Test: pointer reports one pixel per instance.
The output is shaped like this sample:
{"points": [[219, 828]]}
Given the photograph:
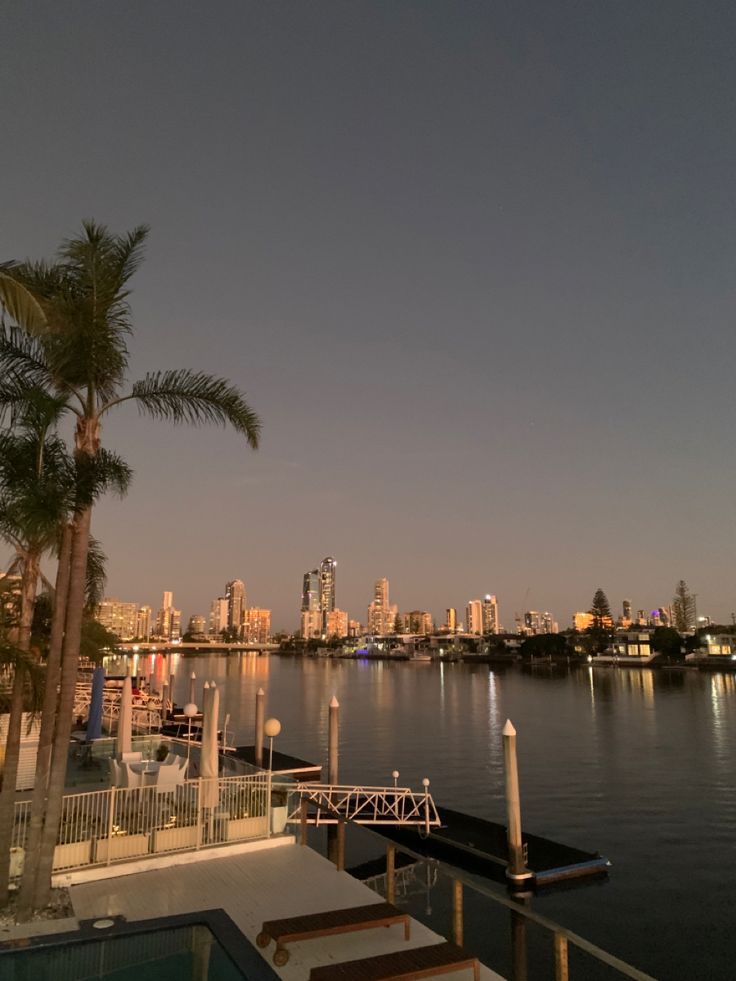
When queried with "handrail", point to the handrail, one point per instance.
{"points": [[610, 960]]}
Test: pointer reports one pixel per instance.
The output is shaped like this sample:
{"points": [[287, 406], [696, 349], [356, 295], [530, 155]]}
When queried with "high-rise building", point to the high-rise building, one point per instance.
{"points": [[417, 622], [197, 625], [327, 575], [535, 622], [490, 615], [582, 621], [310, 624], [235, 596], [354, 628], [168, 619], [118, 617], [143, 623], [218, 617], [310, 591], [381, 614], [257, 625], [451, 619], [626, 610], [474, 617], [337, 623]]}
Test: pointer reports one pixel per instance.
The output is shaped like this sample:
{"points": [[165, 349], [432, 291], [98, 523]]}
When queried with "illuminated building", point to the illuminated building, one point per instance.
{"points": [[337, 623], [197, 625], [218, 617], [582, 621], [489, 615], [451, 619], [474, 617], [257, 625], [327, 572], [381, 615], [143, 623], [118, 617], [168, 619], [311, 624], [235, 596], [354, 628], [538, 623], [310, 591], [417, 622]]}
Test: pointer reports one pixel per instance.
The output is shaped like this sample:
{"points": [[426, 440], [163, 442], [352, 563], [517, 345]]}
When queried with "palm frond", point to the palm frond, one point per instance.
{"points": [[22, 359], [99, 474], [96, 575], [194, 398], [20, 302]]}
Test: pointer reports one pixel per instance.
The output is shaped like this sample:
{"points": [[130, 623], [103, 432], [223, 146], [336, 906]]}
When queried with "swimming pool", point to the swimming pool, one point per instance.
{"points": [[205, 946]]}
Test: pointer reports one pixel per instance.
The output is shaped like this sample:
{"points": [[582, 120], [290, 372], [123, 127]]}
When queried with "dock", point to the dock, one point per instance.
{"points": [[480, 846]]}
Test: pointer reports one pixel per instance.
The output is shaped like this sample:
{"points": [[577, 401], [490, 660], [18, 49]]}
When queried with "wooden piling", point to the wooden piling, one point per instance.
{"points": [[391, 874], [260, 721], [516, 871], [561, 964], [192, 692], [457, 912], [333, 741], [340, 844], [303, 805], [518, 947]]}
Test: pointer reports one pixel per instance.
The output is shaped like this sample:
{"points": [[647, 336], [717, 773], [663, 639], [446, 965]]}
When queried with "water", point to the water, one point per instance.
{"points": [[636, 764]]}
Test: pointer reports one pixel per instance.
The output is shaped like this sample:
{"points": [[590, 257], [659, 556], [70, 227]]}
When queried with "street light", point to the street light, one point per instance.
{"points": [[190, 710], [395, 775], [271, 728]]}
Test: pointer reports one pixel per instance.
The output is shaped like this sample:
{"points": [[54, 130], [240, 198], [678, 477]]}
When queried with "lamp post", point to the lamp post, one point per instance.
{"points": [[190, 710], [395, 775], [271, 728]]}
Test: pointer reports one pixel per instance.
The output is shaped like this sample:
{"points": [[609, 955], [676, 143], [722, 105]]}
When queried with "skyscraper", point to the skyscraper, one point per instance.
{"points": [[118, 617], [218, 617], [451, 619], [168, 619], [327, 589], [474, 617], [257, 627], [490, 615], [381, 615], [235, 596], [310, 591], [143, 623]]}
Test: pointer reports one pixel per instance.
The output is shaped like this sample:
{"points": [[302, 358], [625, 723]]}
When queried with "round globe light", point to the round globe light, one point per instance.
{"points": [[271, 728], [190, 710]]}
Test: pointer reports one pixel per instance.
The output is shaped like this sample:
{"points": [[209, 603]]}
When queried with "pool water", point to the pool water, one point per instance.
{"points": [[187, 953]]}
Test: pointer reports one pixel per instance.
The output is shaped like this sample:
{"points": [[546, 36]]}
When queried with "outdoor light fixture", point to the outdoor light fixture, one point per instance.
{"points": [[190, 710]]}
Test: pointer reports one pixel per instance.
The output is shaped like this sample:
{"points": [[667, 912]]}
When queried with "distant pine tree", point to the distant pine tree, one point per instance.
{"points": [[601, 611], [683, 607]]}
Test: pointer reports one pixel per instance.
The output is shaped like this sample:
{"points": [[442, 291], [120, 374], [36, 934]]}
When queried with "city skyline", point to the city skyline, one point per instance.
{"points": [[473, 272], [491, 608]]}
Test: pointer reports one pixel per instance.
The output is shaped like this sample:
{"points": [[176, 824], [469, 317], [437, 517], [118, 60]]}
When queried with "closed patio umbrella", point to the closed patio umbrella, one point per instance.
{"points": [[94, 719], [124, 736], [208, 762]]}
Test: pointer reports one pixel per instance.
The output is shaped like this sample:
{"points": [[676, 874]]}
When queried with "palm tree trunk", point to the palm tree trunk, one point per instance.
{"points": [[46, 736], [69, 665], [29, 583]]}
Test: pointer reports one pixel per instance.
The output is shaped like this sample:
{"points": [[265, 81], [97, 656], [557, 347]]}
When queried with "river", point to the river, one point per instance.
{"points": [[637, 764]]}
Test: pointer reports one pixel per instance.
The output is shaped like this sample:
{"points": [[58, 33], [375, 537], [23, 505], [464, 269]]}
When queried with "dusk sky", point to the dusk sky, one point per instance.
{"points": [[472, 263]]}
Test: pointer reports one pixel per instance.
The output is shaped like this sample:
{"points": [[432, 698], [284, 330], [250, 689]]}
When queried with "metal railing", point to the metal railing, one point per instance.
{"points": [[369, 805], [556, 940], [125, 823]]}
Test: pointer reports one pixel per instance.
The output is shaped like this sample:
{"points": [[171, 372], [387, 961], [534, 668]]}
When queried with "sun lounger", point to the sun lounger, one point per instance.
{"points": [[325, 924], [404, 965]]}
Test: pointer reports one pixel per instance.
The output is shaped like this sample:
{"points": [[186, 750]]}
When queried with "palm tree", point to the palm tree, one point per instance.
{"points": [[77, 317], [36, 477]]}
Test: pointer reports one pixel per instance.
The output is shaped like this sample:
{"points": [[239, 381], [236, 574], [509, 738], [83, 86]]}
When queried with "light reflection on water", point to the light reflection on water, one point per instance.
{"points": [[637, 764]]}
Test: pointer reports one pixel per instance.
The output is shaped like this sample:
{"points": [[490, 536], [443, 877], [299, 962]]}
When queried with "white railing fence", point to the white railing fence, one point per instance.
{"points": [[120, 824]]}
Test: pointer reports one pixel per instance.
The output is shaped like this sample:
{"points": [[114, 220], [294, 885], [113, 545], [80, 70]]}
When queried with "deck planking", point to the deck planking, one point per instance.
{"points": [[272, 884]]}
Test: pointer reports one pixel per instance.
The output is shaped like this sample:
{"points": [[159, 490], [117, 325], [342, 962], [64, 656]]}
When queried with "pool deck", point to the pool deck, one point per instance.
{"points": [[252, 887]]}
